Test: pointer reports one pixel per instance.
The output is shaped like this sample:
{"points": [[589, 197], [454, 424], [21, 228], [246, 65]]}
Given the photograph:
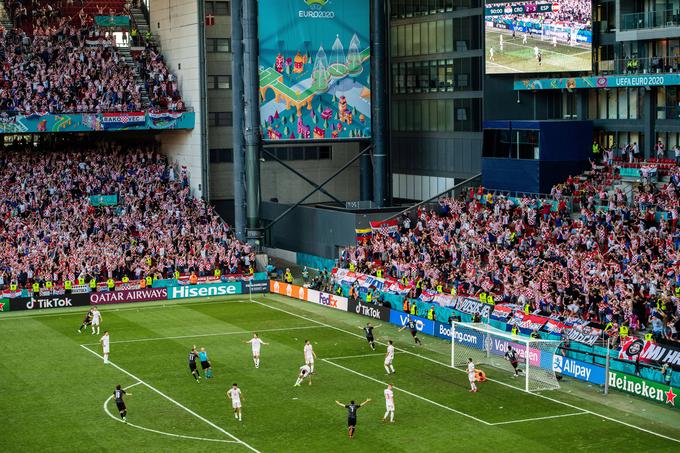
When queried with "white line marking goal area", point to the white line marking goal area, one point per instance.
{"points": [[176, 403], [143, 428]]}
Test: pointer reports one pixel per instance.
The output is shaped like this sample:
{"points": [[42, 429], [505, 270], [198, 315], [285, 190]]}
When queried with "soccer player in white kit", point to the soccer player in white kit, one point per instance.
{"points": [[234, 394], [389, 403], [490, 53], [256, 342], [305, 371], [389, 356], [536, 52], [104, 340], [554, 41], [96, 320], [310, 355], [471, 375], [524, 38]]}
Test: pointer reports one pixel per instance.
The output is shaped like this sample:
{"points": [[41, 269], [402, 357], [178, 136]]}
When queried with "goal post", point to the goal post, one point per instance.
{"points": [[486, 345]]}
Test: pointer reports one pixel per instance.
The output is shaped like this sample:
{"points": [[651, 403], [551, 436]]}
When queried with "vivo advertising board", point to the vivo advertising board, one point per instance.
{"points": [[422, 325]]}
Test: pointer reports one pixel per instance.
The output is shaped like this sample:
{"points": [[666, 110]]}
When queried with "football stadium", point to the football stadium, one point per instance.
{"points": [[324, 225]]}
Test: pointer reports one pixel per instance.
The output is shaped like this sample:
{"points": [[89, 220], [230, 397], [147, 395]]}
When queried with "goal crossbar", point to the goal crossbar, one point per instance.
{"points": [[488, 346]]}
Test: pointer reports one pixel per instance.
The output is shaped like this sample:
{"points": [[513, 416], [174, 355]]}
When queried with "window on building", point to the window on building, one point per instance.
{"points": [[217, 8], [218, 155], [220, 119], [219, 82], [218, 45]]}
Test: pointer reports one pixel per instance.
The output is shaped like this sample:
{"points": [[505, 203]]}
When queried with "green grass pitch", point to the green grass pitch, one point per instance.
{"points": [[54, 388], [519, 58]]}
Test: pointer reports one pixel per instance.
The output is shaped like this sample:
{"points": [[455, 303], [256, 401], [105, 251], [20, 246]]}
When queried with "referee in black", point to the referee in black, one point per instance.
{"points": [[352, 414]]}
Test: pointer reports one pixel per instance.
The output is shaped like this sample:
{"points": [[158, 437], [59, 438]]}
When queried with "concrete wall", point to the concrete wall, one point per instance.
{"points": [[175, 24], [279, 182]]}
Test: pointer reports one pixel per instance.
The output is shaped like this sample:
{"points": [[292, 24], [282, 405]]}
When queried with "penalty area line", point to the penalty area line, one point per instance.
{"points": [[143, 428], [175, 402], [240, 332], [540, 418], [410, 393]]}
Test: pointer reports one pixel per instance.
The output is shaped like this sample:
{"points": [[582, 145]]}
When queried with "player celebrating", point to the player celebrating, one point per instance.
{"points": [[234, 394], [206, 365], [96, 320], [310, 355], [389, 357], [368, 330], [471, 375], [389, 403], [120, 404], [305, 371], [104, 340], [411, 324], [513, 358], [256, 342], [86, 322], [192, 364], [352, 414]]}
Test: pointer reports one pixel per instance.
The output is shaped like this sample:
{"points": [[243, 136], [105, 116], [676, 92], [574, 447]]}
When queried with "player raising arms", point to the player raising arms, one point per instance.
{"points": [[352, 414], [206, 365], [86, 322], [256, 342], [471, 375], [120, 404], [411, 324], [236, 397], [368, 331], [389, 357], [192, 364], [389, 403], [96, 320], [305, 372], [310, 355], [104, 340], [513, 358]]}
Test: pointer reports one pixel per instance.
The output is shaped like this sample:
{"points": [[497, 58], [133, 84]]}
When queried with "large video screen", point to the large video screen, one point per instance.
{"points": [[315, 69], [531, 37]]}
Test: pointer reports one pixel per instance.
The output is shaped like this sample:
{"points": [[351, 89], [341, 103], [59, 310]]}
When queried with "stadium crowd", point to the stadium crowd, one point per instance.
{"points": [[614, 261], [50, 230], [65, 66]]}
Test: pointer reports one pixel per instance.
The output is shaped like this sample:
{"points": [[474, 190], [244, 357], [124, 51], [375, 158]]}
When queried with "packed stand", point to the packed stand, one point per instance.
{"points": [[160, 83], [50, 231], [614, 262]]}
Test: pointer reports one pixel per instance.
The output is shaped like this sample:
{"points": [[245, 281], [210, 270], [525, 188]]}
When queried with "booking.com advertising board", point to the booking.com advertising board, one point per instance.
{"points": [[314, 69]]}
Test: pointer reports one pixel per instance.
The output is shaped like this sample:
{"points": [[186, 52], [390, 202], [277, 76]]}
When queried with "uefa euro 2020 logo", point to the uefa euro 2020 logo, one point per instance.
{"points": [[315, 4]]}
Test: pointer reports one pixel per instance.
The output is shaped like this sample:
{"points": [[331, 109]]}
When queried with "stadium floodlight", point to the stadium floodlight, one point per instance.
{"points": [[488, 346]]}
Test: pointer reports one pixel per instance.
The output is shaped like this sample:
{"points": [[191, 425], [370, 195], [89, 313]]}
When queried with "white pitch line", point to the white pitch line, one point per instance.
{"points": [[106, 409], [464, 414], [353, 356], [176, 403], [629, 425], [242, 332], [540, 418]]}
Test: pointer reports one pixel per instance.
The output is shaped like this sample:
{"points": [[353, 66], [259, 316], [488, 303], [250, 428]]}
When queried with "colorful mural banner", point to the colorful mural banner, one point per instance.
{"points": [[614, 81], [88, 122], [315, 69]]}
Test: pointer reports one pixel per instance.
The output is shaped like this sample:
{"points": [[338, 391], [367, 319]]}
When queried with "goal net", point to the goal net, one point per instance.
{"points": [[488, 346]]}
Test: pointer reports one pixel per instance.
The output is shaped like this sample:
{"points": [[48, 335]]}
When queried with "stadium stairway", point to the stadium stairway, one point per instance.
{"points": [[124, 52], [5, 21]]}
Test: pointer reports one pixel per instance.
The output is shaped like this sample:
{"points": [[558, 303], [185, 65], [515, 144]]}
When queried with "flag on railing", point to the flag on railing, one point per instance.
{"points": [[386, 228]]}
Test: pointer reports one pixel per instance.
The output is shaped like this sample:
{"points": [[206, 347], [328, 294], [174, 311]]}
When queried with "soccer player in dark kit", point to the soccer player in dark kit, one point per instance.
{"points": [[414, 330], [352, 414], [513, 358], [120, 404], [368, 331], [193, 355]]}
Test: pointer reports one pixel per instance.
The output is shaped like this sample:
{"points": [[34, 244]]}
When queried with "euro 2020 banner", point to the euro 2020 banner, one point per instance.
{"points": [[314, 69]]}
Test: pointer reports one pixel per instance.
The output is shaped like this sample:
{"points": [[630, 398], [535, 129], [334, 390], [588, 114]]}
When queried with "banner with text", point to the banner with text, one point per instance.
{"points": [[204, 290]]}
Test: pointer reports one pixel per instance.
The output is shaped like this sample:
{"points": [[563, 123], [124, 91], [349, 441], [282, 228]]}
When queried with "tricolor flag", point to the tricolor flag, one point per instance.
{"points": [[386, 228], [363, 234]]}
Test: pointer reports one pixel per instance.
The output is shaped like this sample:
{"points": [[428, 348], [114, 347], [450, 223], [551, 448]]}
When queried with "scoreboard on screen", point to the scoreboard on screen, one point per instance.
{"points": [[513, 8]]}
